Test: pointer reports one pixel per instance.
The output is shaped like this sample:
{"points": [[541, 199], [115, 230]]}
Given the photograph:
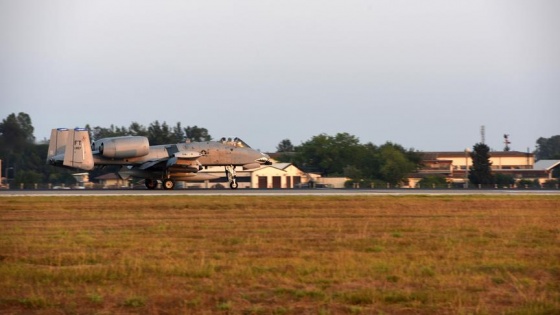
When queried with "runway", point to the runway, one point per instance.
{"points": [[275, 192]]}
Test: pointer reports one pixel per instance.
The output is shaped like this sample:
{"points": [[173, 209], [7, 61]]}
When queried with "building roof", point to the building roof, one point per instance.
{"points": [[281, 166], [546, 164], [438, 161], [448, 154]]}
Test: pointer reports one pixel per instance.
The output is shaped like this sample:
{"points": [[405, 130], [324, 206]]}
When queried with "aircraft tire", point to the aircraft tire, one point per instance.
{"points": [[150, 183], [233, 184], [168, 184]]}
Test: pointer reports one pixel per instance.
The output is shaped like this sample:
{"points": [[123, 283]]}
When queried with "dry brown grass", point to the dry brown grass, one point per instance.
{"points": [[280, 255]]}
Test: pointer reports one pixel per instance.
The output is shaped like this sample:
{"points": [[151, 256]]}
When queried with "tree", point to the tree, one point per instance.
{"points": [[159, 133], [344, 155], [480, 173], [285, 146], [395, 164], [136, 129], [354, 173], [97, 132], [17, 148], [178, 134], [197, 134], [433, 181], [16, 132], [23, 161], [504, 180], [28, 178], [369, 161], [548, 148], [326, 154]]}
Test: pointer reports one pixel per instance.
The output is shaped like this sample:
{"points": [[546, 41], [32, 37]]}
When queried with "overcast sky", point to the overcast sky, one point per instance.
{"points": [[423, 74]]}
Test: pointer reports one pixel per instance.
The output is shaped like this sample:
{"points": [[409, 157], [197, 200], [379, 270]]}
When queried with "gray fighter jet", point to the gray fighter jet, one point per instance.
{"points": [[167, 163]]}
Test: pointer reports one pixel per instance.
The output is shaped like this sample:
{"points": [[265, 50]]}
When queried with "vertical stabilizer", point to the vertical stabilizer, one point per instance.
{"points": [[57, 143], [78, 150]]}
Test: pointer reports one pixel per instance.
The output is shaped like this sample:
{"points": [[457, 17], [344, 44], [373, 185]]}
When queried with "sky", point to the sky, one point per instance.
{"points": [[423, 74]]}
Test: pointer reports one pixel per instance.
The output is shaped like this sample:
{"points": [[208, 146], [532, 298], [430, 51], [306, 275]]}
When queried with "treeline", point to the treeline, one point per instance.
{"points": [[548, 148], [24, 161], [344, 155], [156, 133]]}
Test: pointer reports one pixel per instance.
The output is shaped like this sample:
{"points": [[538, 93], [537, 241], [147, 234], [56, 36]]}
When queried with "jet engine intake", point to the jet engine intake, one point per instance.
{"points": [[122, 147]]}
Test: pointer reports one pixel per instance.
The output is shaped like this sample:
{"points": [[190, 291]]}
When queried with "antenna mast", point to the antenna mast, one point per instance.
{"points": [[506, 142]]}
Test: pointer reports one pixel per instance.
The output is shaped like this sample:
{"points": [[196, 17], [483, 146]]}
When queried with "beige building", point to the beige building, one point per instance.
{"points": [[454, 166]]}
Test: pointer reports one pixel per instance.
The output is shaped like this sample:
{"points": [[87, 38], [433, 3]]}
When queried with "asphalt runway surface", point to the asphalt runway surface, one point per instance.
{"points": [[275, 192]]}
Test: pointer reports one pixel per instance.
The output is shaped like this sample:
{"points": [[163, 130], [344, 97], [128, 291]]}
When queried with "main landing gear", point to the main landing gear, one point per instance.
{"points": [[169, 184], [150, 183], [232, 178], [166, 184]]}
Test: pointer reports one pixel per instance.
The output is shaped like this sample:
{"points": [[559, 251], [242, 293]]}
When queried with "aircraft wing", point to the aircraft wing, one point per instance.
{"points": [[183, 158], [150, 164]]}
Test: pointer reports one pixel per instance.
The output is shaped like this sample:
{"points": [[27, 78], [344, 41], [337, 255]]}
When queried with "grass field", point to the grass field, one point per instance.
{"points": [[280, 255]]}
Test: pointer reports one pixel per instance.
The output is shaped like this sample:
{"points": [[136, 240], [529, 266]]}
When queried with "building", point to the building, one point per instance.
{"points": [[454, 166], [548, 167], [82, 180]]}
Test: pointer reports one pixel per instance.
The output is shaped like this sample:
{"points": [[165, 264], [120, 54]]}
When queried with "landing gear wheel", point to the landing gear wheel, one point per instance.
{"points": [[150, 183], [233, 184], [168, 184]]}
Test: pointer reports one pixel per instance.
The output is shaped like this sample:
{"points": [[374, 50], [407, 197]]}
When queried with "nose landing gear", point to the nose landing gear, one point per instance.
{"points": [[168, 184], [232, 178]]}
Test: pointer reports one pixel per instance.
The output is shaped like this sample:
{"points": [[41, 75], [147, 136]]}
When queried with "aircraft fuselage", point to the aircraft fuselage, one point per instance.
{"points": [[211, 154]]}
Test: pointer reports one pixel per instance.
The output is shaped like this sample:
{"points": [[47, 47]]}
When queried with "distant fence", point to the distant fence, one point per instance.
{"points": [[42, 186]]}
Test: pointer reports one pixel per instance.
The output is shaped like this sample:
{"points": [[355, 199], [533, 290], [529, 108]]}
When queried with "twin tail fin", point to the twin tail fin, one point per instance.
{"points": [[70, 148]]}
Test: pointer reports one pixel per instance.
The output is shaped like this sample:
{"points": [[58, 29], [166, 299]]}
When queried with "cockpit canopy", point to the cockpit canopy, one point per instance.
{"points": [[236, 142]]}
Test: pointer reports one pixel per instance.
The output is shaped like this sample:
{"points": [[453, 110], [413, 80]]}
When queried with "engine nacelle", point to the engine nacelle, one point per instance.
{"points": [[122, 147]]}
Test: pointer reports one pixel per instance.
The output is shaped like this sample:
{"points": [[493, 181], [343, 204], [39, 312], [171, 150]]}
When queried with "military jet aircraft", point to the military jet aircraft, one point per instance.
{"points": [[167, 163]]}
